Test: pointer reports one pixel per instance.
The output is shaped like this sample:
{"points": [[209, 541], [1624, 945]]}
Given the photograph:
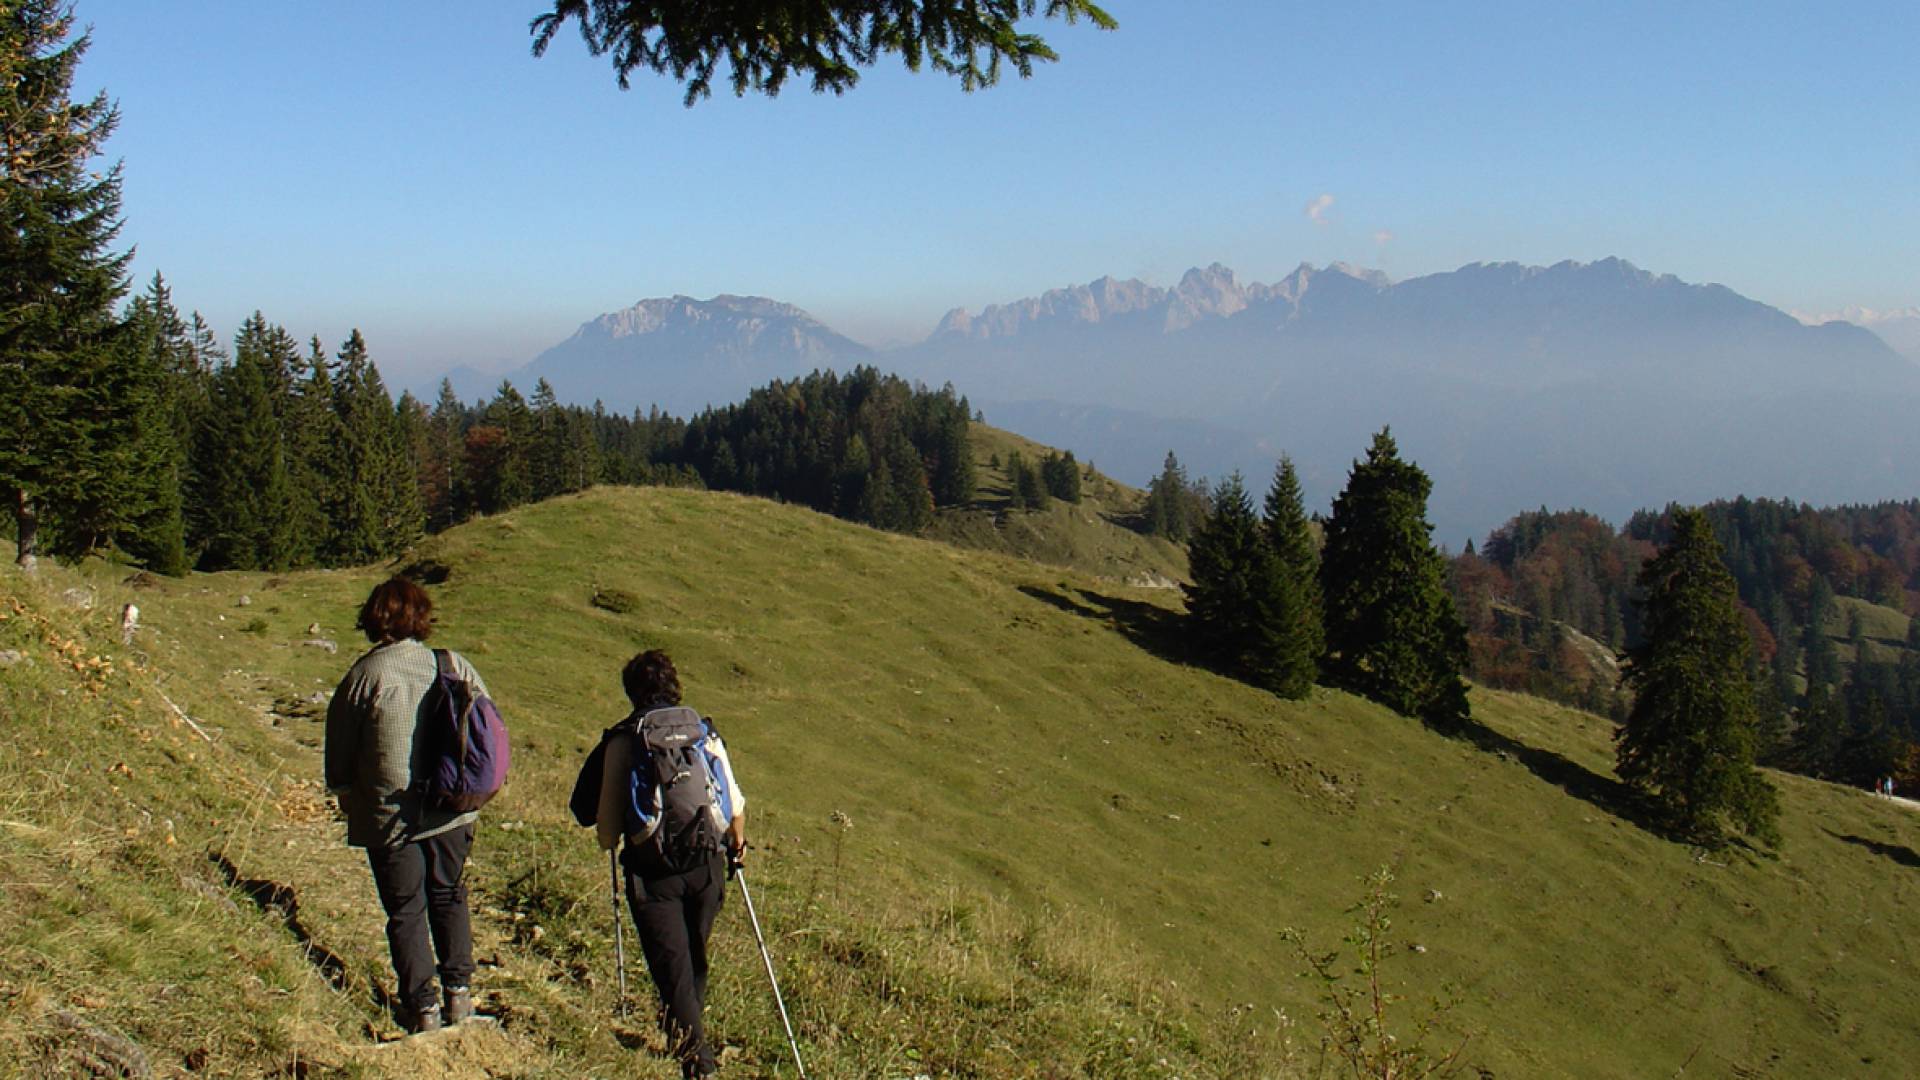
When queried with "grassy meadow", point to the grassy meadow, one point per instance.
{"points": [[1001, 829]]}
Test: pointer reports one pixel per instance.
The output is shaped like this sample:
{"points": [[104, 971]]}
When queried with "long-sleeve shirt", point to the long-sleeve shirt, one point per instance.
{"points": [[372, 747]]}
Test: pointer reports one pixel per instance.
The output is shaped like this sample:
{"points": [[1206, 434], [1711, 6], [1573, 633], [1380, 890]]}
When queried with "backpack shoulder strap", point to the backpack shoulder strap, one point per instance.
{"points": [[443, 662]]}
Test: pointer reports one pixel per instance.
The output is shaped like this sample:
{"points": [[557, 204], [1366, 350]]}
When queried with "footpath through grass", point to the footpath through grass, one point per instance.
{"points": [[1001, 829]]}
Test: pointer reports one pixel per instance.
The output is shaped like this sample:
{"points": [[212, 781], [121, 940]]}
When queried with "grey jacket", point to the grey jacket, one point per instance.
{"points": [[370, 751]]}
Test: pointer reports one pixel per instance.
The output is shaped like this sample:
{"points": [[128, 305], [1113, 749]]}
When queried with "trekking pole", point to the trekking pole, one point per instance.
{"points": [[739, 874], [619, 943]]}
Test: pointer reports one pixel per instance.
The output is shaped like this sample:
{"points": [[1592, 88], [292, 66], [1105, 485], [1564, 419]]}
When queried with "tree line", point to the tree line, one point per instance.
{"points": [[1366, 602], [1364, 607], [1833, 700], [273, 455], [138, 430]]}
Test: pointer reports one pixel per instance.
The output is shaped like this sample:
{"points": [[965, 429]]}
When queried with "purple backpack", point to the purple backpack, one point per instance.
{"points": [[463, 742]]}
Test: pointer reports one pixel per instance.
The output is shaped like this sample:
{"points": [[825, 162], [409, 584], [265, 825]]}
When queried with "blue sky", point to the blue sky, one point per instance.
{"points": [[411, 170]]}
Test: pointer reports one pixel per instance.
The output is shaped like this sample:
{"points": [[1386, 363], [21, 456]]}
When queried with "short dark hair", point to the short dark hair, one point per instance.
{"points": [[650, 679], [395, 610]]}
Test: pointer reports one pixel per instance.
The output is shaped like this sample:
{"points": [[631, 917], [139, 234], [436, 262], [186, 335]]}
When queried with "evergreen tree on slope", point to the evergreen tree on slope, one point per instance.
{"points": [[1298, 609], [158, 348], [1168, 509], [65, 424], [1234, 602], [1689, 739], [245, 514], [1392, 632]]}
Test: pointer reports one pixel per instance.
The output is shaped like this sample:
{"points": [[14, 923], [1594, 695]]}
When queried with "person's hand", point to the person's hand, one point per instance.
{"points": [[736, 842]]}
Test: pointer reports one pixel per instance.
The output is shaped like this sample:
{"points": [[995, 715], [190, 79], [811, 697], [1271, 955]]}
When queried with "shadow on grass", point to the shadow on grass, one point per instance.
{"points": [[1899, 853], [1162, 633], [1149, 626], [280, 901], [1601, 792]]}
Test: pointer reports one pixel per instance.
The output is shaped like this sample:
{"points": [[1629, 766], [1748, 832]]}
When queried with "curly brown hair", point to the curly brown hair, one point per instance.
{"points": [[396, 610], [650, 679]]}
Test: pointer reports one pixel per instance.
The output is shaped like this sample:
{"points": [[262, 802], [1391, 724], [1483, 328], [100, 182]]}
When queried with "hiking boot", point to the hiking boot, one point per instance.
{"points": [[459, 1004], [427, 1019]]}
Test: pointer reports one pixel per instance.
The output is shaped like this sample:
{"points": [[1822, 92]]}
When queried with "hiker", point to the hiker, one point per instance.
{"points": [[418, 852], [661, 780]]}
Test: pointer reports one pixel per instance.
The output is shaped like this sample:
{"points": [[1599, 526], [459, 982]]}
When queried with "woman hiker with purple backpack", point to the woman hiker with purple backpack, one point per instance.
{"points": [[417, 850]]}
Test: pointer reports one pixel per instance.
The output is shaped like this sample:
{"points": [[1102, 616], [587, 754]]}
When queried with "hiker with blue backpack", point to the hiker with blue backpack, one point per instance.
{"points": [[413, 748], [661, 782]]}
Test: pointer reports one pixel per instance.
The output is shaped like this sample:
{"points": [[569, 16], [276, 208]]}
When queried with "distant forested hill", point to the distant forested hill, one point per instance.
{"points": [[1829, 596]]}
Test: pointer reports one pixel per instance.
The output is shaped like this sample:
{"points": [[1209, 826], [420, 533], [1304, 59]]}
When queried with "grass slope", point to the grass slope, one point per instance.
{"points": [[1001, 831], [1098, 535]]}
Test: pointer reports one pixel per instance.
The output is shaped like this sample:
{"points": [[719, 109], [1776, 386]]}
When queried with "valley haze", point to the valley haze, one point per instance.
{"points": [[1598, 386]]}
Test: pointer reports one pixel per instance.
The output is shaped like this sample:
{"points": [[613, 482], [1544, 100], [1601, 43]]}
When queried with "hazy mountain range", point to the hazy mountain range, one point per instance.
{"points": [[1597, 385]]}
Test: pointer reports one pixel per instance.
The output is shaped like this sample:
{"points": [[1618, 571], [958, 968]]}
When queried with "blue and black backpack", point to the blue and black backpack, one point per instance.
{"points": [[677, 804]]}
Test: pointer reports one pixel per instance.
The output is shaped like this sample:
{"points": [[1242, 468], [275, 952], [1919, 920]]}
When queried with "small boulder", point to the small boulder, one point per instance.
{"points": [[78, 598], [10, 657], [321, 643], [244, 600]]}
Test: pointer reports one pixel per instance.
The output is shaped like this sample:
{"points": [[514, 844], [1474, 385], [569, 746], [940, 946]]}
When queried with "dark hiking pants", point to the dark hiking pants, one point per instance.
{"points": [[675, 913], [422, 889]]}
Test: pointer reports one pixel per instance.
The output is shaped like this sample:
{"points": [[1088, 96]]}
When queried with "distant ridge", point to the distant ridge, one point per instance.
{"points": [[684, 354], [1581, 384]]}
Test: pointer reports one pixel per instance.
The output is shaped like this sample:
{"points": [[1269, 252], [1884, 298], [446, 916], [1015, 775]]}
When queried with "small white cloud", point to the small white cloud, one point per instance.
{"points": [[1382, 237], [1317, 209]]}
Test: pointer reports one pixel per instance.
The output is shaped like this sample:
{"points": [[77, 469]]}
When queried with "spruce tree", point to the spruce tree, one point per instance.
{"points": [[380, 511], [953, 475], [1062, 475], [1168, 508], [315, 467], [243, 492], [160, 351], [1235, 602], [512, 483], [67, 412], [1025, 489], [585, 461], [1689, 741], [442, 472], [1298, 611], [1392, 632], [547, 457], [1029, 487], [912, 497], [205, 357]]}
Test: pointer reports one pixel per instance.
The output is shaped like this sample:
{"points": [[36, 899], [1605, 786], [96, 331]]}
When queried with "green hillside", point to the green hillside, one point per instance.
{"points": [[1098, 535], [1000, 831], [1883, 629]]}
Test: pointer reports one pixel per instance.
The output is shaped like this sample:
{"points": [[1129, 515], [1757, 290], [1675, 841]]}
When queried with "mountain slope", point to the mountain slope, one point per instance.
{"points": [[1597, 385], [1003, 829]]}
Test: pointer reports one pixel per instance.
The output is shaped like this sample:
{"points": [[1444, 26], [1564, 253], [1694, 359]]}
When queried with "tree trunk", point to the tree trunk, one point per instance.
{"points": [[27, 528]]}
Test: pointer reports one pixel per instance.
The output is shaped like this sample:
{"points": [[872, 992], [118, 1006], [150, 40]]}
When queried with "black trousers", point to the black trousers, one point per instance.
{"points": [[422, 889], [675, 914]]}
